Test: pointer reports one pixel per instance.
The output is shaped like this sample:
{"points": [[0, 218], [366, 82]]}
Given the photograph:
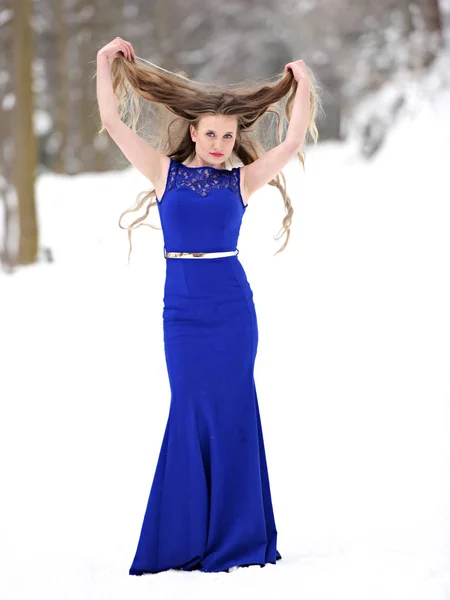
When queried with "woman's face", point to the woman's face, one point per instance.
{"points": [[215, 138]]}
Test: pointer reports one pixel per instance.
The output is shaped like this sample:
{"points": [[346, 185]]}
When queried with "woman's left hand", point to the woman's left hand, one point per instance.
{"points": [[298, 69]]}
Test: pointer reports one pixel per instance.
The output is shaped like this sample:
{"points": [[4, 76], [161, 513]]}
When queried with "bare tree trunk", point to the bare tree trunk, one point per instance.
{"points": [[431, 15], [25, 148]]}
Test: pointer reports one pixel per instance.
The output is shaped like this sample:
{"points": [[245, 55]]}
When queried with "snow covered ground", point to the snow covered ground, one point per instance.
{"points": [[352, 375]]}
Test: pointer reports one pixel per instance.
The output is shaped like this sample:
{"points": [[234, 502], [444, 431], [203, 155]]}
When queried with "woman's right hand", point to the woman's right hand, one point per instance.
{"points": [[116, 47]]}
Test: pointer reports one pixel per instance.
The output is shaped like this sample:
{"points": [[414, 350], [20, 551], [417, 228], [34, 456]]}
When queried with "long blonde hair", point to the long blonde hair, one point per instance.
{"points": [[262, 106]]}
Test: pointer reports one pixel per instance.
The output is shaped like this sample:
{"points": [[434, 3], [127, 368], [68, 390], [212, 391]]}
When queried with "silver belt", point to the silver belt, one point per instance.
{"points": [[199, 254]]}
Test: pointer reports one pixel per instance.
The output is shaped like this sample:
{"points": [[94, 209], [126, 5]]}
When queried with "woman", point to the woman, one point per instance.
{"points": [[210, 506]]}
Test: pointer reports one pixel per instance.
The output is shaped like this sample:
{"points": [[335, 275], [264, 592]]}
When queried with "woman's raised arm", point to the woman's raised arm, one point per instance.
{"points": [[150, 162], [106, 98]]}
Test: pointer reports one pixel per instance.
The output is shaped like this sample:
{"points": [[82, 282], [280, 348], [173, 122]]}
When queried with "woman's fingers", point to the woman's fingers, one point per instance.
{"points": [[123, 47], [126, 48], [131, 51]]}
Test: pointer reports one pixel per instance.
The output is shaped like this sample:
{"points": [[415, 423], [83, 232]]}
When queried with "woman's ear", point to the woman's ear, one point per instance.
{"points": [[192, 131]]}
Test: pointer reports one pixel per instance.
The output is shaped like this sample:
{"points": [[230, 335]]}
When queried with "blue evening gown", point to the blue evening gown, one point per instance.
{"points": [[210, 505]]}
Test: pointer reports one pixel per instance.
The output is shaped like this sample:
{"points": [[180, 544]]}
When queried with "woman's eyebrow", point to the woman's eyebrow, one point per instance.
{"points": [[215, 132]]}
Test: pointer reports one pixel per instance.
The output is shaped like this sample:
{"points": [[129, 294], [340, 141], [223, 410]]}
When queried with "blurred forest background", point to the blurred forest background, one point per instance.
{"points": [[49, 117]]}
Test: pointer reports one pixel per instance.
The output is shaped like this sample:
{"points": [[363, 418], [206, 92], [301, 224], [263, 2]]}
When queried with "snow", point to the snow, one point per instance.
{"points": [[352, 375]]}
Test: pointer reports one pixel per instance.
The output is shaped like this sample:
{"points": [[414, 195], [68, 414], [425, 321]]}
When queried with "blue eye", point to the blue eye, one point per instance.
{"points": [[228, 134]]}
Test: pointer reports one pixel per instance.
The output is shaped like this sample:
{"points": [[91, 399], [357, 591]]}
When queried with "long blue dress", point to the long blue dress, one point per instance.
{"points": [[210, 505]]}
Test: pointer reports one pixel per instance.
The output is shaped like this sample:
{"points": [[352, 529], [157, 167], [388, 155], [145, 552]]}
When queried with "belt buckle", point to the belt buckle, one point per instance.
{"points": [[181, 254]]}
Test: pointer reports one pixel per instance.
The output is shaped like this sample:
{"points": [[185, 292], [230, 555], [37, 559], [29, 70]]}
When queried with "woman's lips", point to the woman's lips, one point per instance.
{"points": [[216, 154]]}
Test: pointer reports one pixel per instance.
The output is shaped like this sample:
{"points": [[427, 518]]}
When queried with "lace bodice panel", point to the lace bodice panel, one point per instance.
{"points": [[203, 180]]}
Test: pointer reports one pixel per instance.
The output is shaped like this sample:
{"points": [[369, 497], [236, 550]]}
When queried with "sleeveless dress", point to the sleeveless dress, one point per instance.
{"points": [[210, 505]]}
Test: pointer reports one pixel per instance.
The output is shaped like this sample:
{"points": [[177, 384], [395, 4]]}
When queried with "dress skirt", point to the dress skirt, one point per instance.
{"points": [[210, 505]]}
